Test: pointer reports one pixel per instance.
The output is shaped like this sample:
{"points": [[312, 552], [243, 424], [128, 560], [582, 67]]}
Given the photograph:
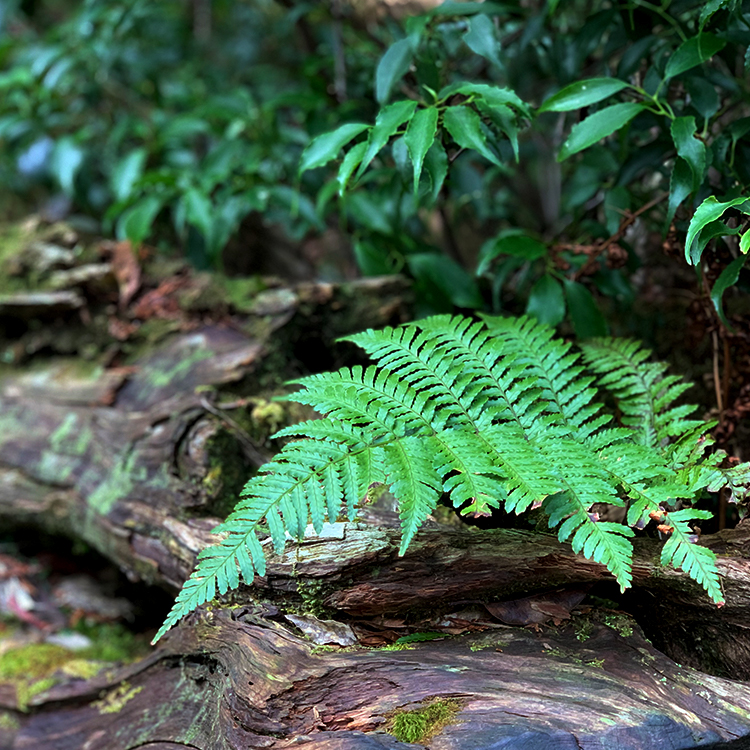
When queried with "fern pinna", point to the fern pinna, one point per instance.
{"points": [[493, 413]]}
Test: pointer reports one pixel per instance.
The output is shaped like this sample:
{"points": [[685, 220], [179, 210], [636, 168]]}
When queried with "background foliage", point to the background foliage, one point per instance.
{"points": [[531, 157]]}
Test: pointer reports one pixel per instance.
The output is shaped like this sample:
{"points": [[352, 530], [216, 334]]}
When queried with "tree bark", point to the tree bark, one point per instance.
{"points": [[125, 458]]}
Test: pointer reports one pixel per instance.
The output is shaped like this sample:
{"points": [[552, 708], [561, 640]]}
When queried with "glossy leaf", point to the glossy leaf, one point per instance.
{"points": [[745, 242], [491, 94], [710, 210], [582, 93], [728, 277], [392, 67], [419, 136], [349, 164], [481, 38], [465, 127], [588, 321], [597, 126], [680, 186], [327, 146], [387, 123], [692, 150], [546, 301], [693, 52], [127, 172]]}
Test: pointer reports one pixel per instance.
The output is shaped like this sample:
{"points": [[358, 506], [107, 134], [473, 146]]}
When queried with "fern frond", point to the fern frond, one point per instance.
{"points": [[681, 551], [643, 393], [488, 414], [568, 398]]}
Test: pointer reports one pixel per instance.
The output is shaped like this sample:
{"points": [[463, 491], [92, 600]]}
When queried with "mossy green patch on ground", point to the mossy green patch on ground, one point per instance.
{"points": [[30, 669], [111, 642], [8, 722], [32, 660], [423, 723], [114, 701]]}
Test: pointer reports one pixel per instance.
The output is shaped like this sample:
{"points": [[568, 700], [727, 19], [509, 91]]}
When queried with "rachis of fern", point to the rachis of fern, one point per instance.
{"points": [[488, 414]]}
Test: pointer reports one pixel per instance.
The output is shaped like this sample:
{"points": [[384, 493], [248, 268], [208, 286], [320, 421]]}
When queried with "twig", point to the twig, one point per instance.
{"points": [[598, 249]]}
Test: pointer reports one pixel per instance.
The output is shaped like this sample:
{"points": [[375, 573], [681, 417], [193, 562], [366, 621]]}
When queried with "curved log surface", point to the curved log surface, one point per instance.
{"points": [[249, 682]]}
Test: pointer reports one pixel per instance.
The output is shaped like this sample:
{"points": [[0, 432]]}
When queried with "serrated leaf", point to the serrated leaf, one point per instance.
{"points": [[394, 64], [693, 52], [546, 301], [349, 164], [709, 8], [745, 242], [582, 94], [597, 126], [503, 118], [419, 136], [327, 146], [588, 320], [689, 148], [728, 277], [481, 38], [387, 123], [465, 126], [710, 210], [491, 94]]}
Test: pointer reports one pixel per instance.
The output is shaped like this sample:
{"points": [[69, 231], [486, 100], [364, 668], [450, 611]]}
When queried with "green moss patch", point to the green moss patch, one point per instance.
{"points": [[423, 723]]}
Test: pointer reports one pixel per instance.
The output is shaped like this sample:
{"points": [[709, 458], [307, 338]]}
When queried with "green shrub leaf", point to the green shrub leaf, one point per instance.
{"points": [[127, 172], [465, 126], [67, 159], [392, 67], [436, 164], [349, 164], [327, 146], [481, 38], [680, 186], [693, 52], [419, 136], [388, 121], [135, 223], [582, 93], [588, 320], [728, 277], [692, 150], [546, 301], [597, 126], [710, 210]]}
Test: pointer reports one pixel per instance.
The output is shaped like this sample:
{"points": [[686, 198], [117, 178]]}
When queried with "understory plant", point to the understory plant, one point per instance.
{"points": [[485, 414]]}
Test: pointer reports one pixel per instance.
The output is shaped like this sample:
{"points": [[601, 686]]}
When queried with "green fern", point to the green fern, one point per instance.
{"points": [[489, 414]]}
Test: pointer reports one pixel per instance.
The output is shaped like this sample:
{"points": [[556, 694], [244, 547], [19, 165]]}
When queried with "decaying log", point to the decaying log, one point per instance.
{"points": [[122, 454], [237, 678]]}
